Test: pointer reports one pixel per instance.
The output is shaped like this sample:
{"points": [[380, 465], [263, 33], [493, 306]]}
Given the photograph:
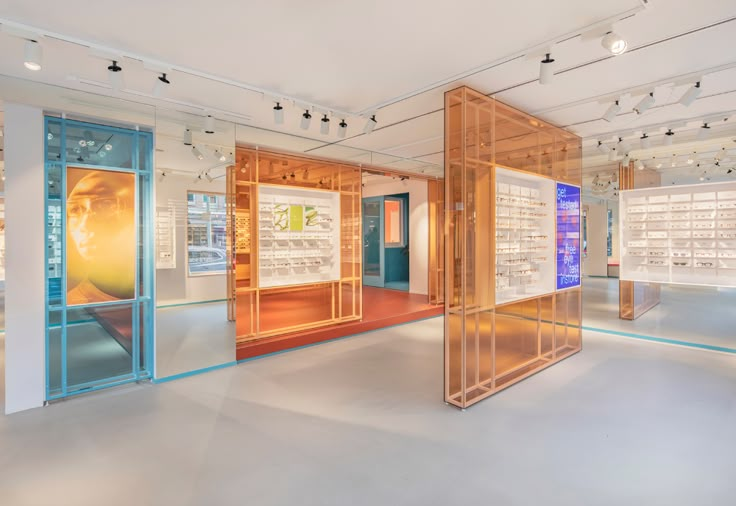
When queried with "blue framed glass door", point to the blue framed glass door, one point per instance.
{"points": [[374, 270], [99, 256]]}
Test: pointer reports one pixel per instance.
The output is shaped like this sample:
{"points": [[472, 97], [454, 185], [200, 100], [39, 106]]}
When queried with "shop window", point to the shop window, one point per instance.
{"points": [[394, 233], [206, 233]]}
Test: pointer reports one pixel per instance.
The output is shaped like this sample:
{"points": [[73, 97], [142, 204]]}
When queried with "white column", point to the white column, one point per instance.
{"points": [[25, 322]]}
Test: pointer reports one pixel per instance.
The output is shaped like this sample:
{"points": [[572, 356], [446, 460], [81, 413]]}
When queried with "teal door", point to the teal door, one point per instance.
{"points": [[374, 271]]}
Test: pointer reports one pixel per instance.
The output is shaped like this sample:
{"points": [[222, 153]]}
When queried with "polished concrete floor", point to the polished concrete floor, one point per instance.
{"points": [[692, 314], [360, 421]]}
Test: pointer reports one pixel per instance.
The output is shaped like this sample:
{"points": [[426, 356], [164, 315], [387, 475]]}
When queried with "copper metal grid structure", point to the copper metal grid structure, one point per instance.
{"points": [[489, 347], [634, 297], [264, 312]]}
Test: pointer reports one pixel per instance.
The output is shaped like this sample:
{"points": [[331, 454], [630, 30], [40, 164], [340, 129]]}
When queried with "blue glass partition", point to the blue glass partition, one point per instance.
{"points": [[99, 256]]}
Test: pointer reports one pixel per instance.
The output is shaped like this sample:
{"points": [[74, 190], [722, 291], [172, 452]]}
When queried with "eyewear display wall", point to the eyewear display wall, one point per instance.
{"points": [[502, 174], [296, 244]]}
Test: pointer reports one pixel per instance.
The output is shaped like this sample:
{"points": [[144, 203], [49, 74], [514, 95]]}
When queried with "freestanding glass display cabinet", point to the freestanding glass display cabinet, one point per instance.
{"points": [[512, 246]]}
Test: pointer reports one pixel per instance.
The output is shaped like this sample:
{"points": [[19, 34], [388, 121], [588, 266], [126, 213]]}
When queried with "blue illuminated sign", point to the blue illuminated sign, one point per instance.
{"points": [[568, 236]]}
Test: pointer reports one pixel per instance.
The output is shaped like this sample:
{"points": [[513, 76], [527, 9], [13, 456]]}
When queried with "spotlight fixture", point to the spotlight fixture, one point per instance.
{"points": [[370, 125], [197, 153], [208, 177], [305, 175], [623, 146], [209, 124], [278, 114], [729, 171], [659, 165], [645, 103], [612, 155], [704, 132], [324, 127], [603, 148], [198, 178], [342, 129], [221, 157], [162, 176], [162, 83], [673, 160], [612, 111], [306, 120], [546, 70], [646, 141], [115, 75], [669, 137], [691, 158], [292, 175], [640, 165], [691, 94], [32, 55], [187, 137], [283, 177], [626, 159], [614, 43]]}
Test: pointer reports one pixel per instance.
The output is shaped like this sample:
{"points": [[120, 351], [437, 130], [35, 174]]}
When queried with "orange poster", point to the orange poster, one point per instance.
{"points": [[101, 244]]}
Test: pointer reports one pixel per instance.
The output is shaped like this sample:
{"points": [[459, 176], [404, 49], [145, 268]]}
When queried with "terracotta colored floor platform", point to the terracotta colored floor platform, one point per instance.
{"points": [[381, 308]]}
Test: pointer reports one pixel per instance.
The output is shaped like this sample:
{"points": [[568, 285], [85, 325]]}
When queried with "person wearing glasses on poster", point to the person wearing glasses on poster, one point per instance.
{"points": [[100, 211]]}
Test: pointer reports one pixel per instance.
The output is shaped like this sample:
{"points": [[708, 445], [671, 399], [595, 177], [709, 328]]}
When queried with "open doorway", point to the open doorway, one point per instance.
{"points": [[386, 236]]}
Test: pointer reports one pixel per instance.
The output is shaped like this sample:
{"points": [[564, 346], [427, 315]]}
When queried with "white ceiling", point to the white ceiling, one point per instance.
{"points": [[353, 56]]}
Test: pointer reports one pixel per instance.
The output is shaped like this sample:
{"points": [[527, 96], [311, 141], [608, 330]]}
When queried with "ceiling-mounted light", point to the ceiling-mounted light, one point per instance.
{"points": [[658, 165], [640, 165], [187, 137], [306, 120], [162, 84], [198, 178], [162, 176], [342, 129], [278, 114], [324, 127], [673, 161], [623, 146], [729, 171], [691, 158], [370, 125], [209, 124], [626, 159], [612, 155], [596, 179], [32, 55], [603, 148], [115, 75], [208, 177], [646, 141], [691, 94], [221, 157], [703, 132], [612, 111], [197, 153], [614, 43], [645, 103], [305, 175], [669, 137], [546, 70]]}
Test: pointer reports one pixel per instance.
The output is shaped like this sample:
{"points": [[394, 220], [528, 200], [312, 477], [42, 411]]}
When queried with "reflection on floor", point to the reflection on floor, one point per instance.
{"points": [[694, 314], [381, 308], [361, 422], [397, 285], [191, 337]]}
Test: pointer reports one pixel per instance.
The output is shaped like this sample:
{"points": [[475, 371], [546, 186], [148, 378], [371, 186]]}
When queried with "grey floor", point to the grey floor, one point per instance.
{"points": [[700, 315], [360, 421]]}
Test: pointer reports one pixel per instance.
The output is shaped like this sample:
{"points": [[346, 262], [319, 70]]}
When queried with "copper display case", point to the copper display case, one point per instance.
{"points": [[263, 312], [490, 346]]}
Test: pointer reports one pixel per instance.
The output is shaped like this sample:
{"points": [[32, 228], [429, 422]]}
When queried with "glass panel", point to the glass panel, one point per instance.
{"points": [[54, 353], [206, 233], [91, 144], [193, 325], [294, 307], [100, 345], [372, 238]]}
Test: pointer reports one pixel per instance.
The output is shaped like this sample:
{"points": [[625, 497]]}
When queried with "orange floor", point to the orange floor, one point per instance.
{"points": [[381, 308]]}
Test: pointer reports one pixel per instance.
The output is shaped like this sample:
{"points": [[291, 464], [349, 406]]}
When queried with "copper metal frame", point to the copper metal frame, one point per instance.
{"points": [[489, 347]]}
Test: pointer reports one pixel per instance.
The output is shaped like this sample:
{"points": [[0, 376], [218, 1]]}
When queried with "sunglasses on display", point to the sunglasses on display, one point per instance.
{"points": [[703, 264], [657, 253], [680, 264], [680, 254], [657, 262]]}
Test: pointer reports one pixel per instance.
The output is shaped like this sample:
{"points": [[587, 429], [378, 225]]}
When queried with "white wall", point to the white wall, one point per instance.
{"points": [[418, 227], [25, 321], [596, 263], [175, 285]]}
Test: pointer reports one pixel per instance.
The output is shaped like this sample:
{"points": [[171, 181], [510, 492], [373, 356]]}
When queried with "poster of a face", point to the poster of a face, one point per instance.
{"points": [[100, 213]]}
